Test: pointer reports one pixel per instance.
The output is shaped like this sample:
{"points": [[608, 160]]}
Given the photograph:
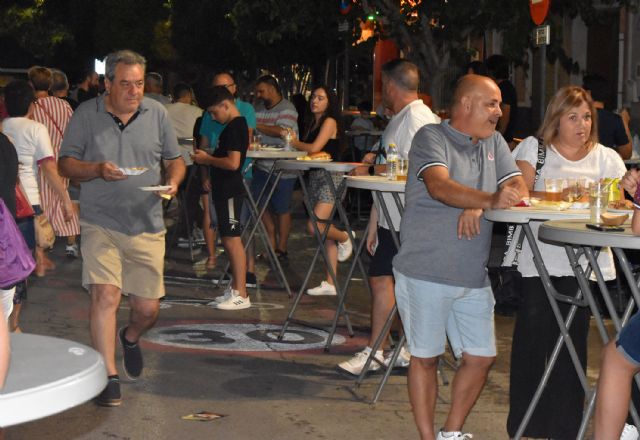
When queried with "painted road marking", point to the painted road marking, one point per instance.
{"points": [[240, 337]]}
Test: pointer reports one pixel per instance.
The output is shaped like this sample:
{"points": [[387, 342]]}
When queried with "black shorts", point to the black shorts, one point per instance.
{"points": [[229, 213], [381, 262]]}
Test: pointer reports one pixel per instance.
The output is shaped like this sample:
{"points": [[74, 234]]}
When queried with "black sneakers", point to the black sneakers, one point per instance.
{"points": [[251, 280], [131, 356], [110, 396]]}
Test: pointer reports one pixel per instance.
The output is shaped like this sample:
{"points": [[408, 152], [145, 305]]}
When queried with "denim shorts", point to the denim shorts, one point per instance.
{"points": [[628, 342], [433, 312], [280, 202], [27, 227]]}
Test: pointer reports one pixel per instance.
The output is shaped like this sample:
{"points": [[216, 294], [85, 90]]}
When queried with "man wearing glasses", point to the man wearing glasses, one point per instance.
{"points": [[115, 145]]}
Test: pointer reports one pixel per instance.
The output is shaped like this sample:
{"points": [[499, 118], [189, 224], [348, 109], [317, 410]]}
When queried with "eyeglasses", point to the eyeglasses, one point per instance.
{"points": [[228, 85]]}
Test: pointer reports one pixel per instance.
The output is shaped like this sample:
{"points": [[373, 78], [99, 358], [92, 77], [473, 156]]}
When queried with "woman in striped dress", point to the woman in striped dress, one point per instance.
{"points": [[54, 113]]}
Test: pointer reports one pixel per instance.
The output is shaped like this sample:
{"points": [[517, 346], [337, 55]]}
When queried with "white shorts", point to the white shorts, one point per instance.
{"points": [[433, 312], [6, 301]]}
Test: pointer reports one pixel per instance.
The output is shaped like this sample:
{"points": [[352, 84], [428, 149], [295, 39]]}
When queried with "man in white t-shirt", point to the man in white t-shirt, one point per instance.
{"points": [[183, 115], [400, 80]]}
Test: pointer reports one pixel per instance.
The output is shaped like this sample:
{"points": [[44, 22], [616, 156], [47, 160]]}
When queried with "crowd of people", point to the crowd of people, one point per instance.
{"points": [[132, 135]]}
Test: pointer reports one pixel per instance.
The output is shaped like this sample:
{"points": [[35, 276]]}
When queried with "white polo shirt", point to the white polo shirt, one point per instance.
{"points": [[400, 131]]}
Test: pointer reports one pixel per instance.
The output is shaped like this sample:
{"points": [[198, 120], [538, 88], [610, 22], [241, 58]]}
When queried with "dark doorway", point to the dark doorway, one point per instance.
{"points": [[602, 51]]}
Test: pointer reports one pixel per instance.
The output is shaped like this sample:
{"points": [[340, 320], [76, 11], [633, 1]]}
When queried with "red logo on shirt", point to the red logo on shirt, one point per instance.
{"points": [[490, 156]]}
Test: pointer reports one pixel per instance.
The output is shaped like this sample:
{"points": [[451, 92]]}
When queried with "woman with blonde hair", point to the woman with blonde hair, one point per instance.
{"points": [[569, 138]]}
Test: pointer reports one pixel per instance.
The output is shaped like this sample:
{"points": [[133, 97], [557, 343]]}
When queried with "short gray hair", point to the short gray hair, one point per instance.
{"points": [[59, 81], [127, 57], [404, 73]]}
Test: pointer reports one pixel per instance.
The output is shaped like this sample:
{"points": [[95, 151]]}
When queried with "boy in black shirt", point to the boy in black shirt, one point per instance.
{"points": [[228, 190]]}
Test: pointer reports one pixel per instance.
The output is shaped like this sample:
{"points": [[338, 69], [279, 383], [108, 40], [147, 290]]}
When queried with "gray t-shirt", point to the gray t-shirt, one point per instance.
{"points": [[94, 136], [430, 249], [283, 114]]}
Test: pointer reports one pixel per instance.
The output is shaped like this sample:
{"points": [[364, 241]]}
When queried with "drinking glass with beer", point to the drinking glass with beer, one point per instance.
{"points": [[553, 188]]}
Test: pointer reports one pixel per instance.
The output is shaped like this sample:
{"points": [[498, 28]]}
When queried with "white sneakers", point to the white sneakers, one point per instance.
{"points": [[324, 289], [356, 363], [222, 298], [345, 249], [457, 435], [629, 432], [230, 300], [404, 358]]}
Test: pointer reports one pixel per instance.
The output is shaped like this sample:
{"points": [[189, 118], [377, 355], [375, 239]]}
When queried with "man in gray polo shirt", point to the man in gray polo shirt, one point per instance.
{"points": [[114, 145], [456, 169]]}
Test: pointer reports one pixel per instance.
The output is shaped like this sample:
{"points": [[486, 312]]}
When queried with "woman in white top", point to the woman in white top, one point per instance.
{"points": [[35, 154], [569, 135]]}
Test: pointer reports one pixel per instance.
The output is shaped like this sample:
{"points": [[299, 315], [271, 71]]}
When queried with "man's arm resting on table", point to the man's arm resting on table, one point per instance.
{"points": [[269, 130], [448, 191]]}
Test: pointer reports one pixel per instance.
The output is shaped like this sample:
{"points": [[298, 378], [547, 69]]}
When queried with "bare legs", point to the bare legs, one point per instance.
{"points": [[235, 251], [322, 211], [467, 384], [614, 393], [208, 232], [283, 224], [382, 301], [105, 300]]}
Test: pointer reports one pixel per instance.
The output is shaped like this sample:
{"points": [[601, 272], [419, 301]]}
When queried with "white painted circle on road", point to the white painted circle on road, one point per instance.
{"points": [[240, 337]]}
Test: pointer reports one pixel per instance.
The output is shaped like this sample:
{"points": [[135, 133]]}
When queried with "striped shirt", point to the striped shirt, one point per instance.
{"points": [[54, 113], [284, 115]]}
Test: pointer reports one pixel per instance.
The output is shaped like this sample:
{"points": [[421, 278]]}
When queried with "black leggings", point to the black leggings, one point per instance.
{"points": [[559, 411]]}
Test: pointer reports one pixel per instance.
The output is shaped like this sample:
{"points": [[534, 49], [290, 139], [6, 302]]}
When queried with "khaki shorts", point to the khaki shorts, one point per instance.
{"points": [[134, 264]]}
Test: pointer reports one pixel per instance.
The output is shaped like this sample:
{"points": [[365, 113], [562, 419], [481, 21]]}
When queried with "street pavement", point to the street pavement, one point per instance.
{"points": [[230, 362]]}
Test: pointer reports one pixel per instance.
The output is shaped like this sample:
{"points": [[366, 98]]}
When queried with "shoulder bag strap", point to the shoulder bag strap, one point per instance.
{"points": [[48, 114], [542, 154]]}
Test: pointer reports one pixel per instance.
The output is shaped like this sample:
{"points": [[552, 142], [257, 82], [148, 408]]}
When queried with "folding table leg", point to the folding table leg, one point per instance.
{"points": [[564, 338], [377, 344], [343, 298], [320, 238]]}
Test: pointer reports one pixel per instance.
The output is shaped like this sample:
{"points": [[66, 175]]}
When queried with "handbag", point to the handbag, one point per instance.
{"points": [[506, 280], [16, 261], [45, 236], [23, 206]]}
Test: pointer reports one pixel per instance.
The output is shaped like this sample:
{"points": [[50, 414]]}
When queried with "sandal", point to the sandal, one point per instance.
{"points": [[282, 255]]}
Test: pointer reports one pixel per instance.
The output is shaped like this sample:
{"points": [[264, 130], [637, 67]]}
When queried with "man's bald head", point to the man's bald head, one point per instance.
{"points": [[476, 106], [225, 79], [470, 85]]}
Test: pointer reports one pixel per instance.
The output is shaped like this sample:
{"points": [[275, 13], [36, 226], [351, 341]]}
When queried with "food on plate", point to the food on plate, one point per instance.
{"points": [[610, 219], [621, 204], [320, 155], [549, 204]]}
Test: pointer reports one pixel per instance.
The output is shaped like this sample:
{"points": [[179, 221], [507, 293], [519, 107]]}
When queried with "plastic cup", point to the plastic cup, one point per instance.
{"points": [[403, 167], [598, 200]]}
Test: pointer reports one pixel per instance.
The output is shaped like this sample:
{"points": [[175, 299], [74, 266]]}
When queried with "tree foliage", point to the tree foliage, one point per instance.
{"points": [[436, 33]]}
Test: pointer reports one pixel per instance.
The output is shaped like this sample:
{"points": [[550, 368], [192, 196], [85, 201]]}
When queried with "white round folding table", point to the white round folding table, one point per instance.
{"points": [[48, 375]]}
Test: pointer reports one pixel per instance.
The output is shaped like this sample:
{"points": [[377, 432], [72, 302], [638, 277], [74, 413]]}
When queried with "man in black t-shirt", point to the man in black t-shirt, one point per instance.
{"points": [[498, 67], [613, 129], [227, 189]]}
